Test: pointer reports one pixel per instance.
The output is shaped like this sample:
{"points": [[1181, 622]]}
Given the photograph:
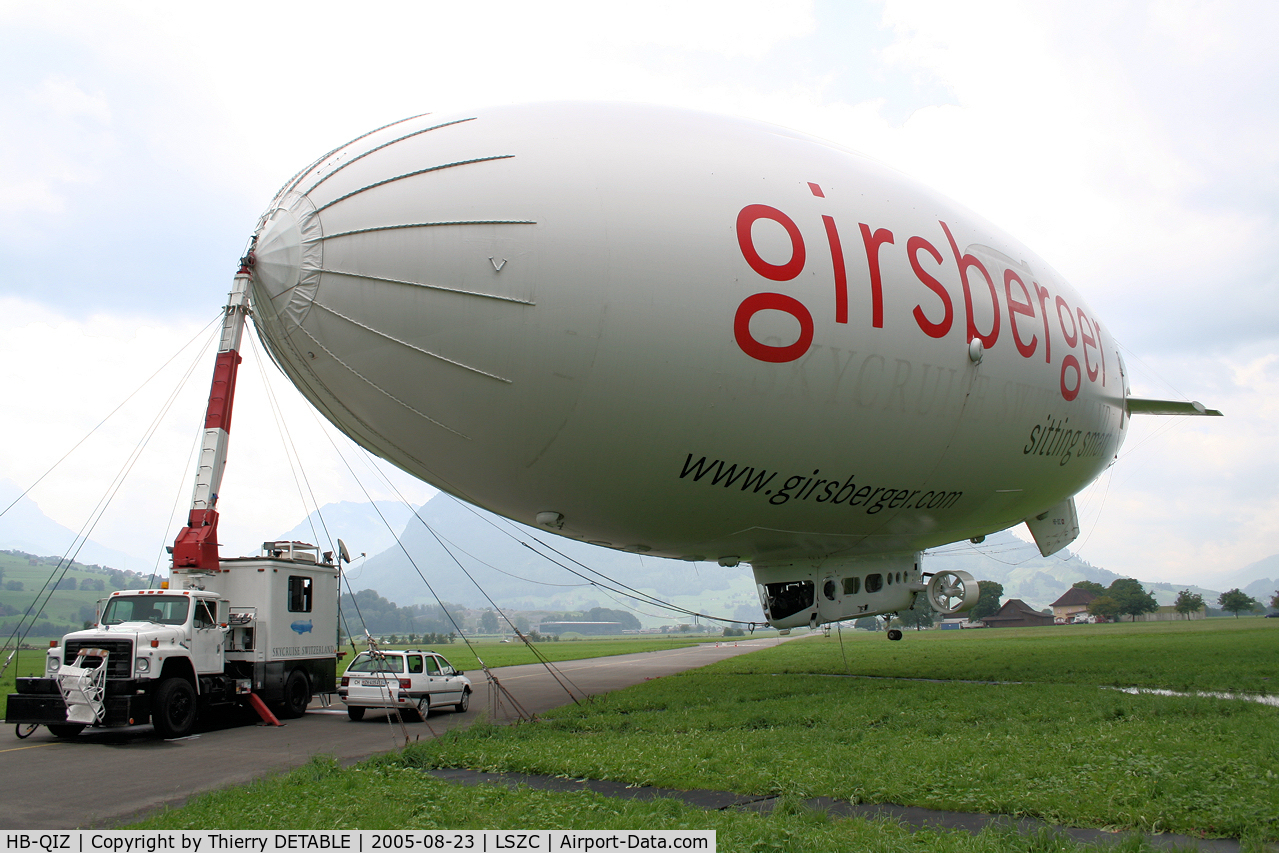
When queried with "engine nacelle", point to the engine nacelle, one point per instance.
{"points": [[952, 592]]}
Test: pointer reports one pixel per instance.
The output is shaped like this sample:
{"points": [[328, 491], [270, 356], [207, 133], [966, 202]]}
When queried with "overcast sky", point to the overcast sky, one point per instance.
{"points": [[1135, 146]]}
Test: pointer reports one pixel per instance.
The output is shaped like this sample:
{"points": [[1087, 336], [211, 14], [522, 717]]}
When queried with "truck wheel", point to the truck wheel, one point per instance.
{"points": [[64, 729], [355, 712], [465, 703], [173, 708], [297, 695]]}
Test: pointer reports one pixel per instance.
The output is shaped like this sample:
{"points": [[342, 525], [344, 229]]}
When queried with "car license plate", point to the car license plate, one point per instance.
{"points": [[371, 682]]}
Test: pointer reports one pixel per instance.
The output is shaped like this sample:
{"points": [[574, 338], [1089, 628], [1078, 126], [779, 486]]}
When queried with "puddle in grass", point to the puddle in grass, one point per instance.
{"points": [[1272, 701]]}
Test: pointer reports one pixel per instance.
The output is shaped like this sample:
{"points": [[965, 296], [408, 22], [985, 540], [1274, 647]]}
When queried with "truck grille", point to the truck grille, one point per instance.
{"points": [[120, 655]]}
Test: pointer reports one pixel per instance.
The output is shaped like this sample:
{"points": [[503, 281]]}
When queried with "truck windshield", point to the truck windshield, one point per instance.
{"points": [[162, 609]]}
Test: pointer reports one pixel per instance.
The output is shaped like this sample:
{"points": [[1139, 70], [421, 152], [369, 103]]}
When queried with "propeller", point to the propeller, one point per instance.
{"points": [[952, 591]]}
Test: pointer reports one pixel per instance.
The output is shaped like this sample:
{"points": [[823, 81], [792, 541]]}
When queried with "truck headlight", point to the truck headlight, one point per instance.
{"points": [[51, 665], [142, 665]]}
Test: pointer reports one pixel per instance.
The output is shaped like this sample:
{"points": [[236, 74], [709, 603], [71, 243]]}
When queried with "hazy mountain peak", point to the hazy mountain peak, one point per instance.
{"points": [[25, 527], [493, 551], [368, 528]]}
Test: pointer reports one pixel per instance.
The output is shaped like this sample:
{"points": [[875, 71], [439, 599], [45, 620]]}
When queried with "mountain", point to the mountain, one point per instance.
{"points": [[501, 559], [365, 527], [1262, 590], [1259, 579], [26, 528], [1035, 579], [515, 576]]}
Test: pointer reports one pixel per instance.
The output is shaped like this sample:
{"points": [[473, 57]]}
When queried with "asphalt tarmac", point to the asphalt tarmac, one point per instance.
{"points": [[105, 778]]}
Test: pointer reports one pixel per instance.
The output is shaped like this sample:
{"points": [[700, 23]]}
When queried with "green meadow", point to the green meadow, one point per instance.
{"points": [[1221, 654], [25, 579], [495, 653], [1020, 722]]}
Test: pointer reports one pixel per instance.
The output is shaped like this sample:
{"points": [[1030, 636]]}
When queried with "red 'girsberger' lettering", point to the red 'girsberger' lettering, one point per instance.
{"points": [[1016, 309], [751, 306], [933, 330], [1028, 302], [1069, 362], [751, 214], [873, 242], [967, 262], [838, 270]]}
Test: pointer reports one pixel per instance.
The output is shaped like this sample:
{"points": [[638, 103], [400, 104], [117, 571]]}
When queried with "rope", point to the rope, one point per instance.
{"points": [[545, 661], [839, 629], [110, 414], [291, 183], [634, 593], [458, 629], [378, 147], [380, 656], [412, 174], [82, 537], [286, 439]]}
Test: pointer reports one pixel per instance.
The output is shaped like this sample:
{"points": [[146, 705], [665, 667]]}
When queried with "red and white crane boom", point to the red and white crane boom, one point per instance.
{"points": [[197, 544]]}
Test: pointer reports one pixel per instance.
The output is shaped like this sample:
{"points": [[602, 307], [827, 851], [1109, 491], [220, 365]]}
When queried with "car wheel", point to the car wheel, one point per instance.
{"points": [[297, 695], [173, 708], [64, 729], [465, 702], [355, 712]]}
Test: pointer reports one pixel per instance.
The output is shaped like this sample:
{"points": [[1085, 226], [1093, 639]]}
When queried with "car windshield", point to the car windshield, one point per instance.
{"points": [[161, 609], [384, 663]]}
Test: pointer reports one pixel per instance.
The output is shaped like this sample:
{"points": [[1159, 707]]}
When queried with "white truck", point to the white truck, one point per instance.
{"points": [[261, 626], [253, 629]]}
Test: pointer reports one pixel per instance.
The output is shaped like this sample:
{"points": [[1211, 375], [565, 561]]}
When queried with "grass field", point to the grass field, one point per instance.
{"points": [[496, 653], [65, 609], [1205, 654], [789, 720], [382, 795]]}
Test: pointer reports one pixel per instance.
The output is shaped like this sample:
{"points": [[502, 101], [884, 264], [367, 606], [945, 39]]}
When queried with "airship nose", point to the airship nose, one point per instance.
{"points": [[288, 258]]}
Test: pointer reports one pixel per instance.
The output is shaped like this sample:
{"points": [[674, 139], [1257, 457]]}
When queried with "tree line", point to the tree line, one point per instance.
{"points": [[368, 611], [1124, 597]]}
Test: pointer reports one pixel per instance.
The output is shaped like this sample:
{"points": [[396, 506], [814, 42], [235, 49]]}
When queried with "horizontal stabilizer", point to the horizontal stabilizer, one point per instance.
{"points": [[1137, 406]]}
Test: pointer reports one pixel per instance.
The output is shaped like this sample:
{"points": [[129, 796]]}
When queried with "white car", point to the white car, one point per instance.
{"points": [[411, 682]]}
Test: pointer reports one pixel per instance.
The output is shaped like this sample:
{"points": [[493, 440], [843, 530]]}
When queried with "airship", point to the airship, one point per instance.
{"points": [[696, 337]]}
